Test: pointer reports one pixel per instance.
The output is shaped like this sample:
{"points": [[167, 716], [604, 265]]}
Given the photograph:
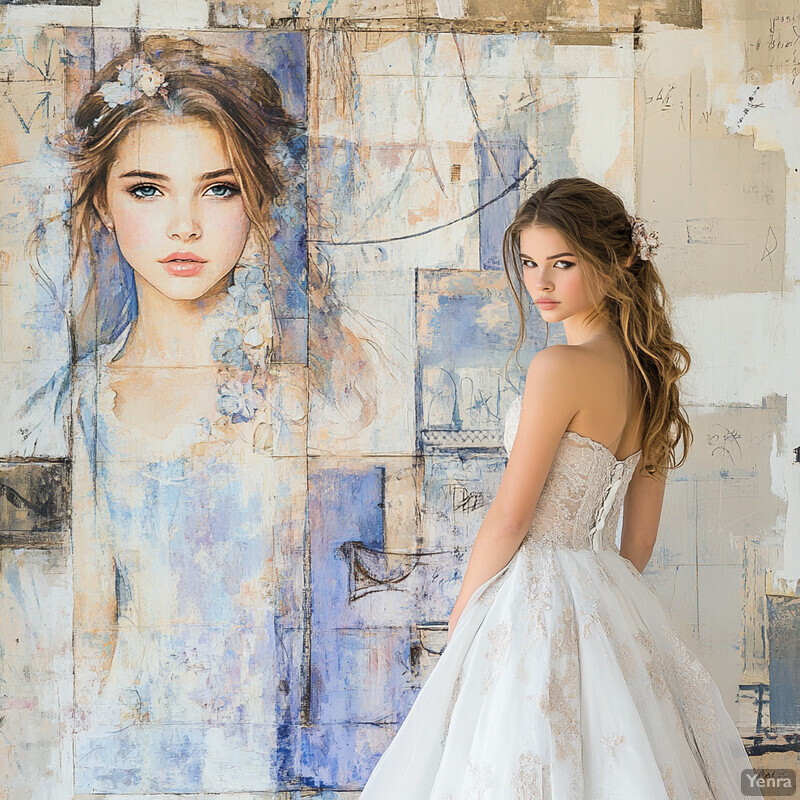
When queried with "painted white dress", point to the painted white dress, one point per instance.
{"points": [[201, 694], [565, 677]]}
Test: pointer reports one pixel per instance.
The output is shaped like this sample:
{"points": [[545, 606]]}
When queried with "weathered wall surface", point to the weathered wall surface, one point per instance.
{"points": [[427, 123]]}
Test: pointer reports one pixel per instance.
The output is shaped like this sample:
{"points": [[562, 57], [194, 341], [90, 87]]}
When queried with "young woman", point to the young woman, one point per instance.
{"points": [[187, 512], [563, 676]]}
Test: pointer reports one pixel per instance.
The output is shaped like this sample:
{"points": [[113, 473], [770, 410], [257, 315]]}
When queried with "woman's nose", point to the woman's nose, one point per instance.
{"points": [[543, 279], [185, 221]]}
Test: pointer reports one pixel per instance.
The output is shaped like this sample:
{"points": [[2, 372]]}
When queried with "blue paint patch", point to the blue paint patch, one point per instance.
{"points": [[347, 506], [499, 165], [556, 127], [467, 324], [784, 660]]}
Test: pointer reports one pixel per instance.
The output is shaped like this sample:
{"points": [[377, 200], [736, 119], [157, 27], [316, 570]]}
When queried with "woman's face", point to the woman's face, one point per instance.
{"points": [[176, 209], [552, 273]]}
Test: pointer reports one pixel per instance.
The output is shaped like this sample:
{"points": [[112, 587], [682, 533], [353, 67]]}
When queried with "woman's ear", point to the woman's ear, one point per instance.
{"points": [[102, 212]]}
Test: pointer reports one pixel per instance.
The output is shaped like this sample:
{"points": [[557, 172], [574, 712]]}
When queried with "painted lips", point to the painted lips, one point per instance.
{"points": [[183, 264], [547, 303]]}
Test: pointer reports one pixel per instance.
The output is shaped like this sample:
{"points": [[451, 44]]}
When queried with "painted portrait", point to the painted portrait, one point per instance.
{"points": [[182, 404]]}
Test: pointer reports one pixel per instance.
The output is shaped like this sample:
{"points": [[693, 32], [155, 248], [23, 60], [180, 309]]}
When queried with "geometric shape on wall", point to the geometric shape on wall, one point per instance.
{"points": [[34, 503]]}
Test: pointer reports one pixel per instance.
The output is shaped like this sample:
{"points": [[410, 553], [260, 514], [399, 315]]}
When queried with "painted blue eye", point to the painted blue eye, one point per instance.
{"points": [[223, 190], [143, 190]]}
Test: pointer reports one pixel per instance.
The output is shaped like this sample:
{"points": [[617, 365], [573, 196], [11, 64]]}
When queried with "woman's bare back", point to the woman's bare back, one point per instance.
{"points": [[611, 406]]}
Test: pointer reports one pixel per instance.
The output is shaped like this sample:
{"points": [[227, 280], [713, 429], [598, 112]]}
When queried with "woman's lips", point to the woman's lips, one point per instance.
{"points": [[547, 303], [183, 264]]}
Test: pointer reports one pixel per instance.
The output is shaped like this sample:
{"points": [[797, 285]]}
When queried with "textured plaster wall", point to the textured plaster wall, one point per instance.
{"points": [[427, 123]]}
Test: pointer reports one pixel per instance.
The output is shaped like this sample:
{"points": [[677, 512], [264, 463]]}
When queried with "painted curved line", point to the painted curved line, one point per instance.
{"points": [[510, 188]]}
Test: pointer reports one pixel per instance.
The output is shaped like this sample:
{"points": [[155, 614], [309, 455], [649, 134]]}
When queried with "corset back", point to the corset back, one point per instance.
{"points": [[583, 493]]}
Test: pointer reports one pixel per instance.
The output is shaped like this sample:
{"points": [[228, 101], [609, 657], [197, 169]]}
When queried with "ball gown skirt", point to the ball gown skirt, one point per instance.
{"points": [[565, 678]]}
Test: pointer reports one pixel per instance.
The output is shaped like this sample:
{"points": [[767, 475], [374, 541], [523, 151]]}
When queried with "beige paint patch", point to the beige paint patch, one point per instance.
{"points": [[772, 40], [32, 105], [688, 14], [511, 10], [243, 13], [723, 522], [473, 16], [717, 202], [402, 487], [566, 14]]}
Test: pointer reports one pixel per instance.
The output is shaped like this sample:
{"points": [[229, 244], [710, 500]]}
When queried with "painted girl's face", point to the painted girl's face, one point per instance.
{"points": [[176, 209], [552, 274]]}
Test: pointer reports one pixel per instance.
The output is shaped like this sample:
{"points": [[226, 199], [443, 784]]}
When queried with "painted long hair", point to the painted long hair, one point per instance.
{"points": [[629, 296], [241, 100]]}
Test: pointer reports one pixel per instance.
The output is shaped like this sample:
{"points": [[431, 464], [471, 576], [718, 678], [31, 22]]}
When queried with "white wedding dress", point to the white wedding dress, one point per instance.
{"points": [[565, 677]]}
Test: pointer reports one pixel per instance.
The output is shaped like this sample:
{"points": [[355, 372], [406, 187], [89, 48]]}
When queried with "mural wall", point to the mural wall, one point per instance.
{"points": [[244, 605]]}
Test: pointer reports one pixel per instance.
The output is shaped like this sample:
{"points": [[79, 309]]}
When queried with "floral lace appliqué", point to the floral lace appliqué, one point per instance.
{"points": [[579, 492], [527, 780], [497, 653]]}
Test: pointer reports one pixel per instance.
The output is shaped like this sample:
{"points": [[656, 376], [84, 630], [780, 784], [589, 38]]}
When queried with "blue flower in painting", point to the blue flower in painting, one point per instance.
{"points": [[238, 400], [227, 348], [248, 290]]}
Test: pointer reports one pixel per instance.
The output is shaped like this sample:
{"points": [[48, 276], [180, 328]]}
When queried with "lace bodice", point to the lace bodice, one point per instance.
{"points": [[583, 494]]}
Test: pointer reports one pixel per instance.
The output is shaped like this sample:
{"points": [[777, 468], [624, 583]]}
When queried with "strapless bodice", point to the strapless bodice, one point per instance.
{"points": [[583, 493]]}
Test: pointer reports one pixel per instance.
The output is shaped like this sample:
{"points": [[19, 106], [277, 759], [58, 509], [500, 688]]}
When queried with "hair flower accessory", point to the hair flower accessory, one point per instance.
{"points": [[646, 241], [136, 78]]}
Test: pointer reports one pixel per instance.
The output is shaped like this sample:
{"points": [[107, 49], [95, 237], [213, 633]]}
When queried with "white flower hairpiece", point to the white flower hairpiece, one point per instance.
{"points": [[646, 241], [136, 78]]}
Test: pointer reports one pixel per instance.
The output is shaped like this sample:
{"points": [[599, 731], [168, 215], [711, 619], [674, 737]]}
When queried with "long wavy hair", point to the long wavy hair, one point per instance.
{"points": [[241, 100], [629, 296]]}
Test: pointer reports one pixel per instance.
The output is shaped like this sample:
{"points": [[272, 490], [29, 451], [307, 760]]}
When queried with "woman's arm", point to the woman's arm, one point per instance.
{"points": [[642, 512], [549, 403]]}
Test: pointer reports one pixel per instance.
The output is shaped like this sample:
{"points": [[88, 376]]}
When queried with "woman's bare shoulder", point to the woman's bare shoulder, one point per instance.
{"points": [[563, 364], [556, 356], [594, 362], [594, 379]]}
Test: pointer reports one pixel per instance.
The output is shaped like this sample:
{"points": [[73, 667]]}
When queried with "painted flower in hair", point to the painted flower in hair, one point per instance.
{"points": [[646, 241], [136, 78], [248, 290], [238, 400]]}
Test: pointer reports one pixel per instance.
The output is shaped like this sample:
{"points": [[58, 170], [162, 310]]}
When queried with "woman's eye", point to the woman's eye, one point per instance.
{"points": [[143, 190], [567, 264], [527, 263], [222, 190]]}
